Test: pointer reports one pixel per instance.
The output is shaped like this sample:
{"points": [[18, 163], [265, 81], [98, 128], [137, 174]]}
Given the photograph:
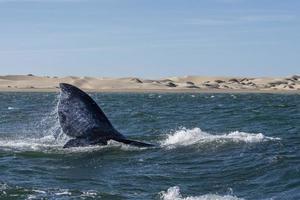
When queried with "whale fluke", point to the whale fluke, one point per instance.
{"points": [[82, 119]]}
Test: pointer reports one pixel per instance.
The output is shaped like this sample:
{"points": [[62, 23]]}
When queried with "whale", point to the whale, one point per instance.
{"points": [[81, 118]]}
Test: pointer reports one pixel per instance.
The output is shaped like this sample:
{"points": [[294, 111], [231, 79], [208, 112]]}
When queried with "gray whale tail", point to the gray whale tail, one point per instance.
{"points": [[82, 119]]}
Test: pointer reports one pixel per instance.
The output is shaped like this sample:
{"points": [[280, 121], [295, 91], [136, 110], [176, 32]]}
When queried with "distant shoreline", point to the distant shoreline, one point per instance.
{"points": [[211, 91], [186, 84]]}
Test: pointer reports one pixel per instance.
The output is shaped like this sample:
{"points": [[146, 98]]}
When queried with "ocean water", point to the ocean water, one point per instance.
{"points": [[208, 146]]}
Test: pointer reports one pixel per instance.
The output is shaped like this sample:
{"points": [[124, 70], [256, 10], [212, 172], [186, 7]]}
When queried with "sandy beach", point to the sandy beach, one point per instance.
{"points": [[33, 83]]}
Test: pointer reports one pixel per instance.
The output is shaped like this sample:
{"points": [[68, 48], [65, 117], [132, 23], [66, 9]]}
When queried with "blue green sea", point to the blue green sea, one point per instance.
{"points": [[208, 146]]}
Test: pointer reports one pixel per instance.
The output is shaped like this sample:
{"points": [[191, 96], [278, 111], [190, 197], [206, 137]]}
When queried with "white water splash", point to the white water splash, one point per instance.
{"points": [[24, 144], [90, 194], [51, 144], [65, 192], [187, 137], [49, 124], [110, 145], [46, 135], [173, 193]]}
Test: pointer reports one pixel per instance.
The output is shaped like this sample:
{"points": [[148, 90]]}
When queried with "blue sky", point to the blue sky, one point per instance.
{"points": [[150, 38]]}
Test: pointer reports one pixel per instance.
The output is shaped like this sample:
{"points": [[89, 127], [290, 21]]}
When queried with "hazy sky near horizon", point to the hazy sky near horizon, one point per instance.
{"points": [[150, 38]]}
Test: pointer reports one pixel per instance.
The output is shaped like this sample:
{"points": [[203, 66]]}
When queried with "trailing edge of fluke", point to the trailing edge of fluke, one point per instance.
{"points": [[82, 119]]}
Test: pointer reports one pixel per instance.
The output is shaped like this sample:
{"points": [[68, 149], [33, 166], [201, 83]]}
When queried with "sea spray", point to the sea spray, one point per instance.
{"points": [[49, 124], [44, 135]]}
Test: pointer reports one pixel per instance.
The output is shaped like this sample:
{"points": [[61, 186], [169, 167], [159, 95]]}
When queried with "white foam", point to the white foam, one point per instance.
{"points": [[186, 137], [173, 193], [110, 145], [40, 191], [25, 144], [31, 196], [125, 147], [3, 186], [51, 144], [63, 193], [90, 193]]}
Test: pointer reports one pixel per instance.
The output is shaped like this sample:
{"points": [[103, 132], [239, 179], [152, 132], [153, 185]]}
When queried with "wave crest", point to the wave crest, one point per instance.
{"points": [[187, 137]]}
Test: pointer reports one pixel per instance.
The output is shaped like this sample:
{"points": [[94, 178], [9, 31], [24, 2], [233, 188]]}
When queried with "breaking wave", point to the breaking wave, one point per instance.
{"points": [[187, 137], [173, 193]]}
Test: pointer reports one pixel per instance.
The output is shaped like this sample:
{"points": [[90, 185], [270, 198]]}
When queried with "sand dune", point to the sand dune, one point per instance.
{"points": [[169, 84]]}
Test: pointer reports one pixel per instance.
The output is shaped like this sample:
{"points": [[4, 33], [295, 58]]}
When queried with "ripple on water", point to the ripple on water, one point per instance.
{"points": [[251, 145], [12, 192]]}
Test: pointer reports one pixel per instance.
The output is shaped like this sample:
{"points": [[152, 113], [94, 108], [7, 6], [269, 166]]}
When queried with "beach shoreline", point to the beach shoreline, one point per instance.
{"points": [[186, 84], [211, 91]]}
